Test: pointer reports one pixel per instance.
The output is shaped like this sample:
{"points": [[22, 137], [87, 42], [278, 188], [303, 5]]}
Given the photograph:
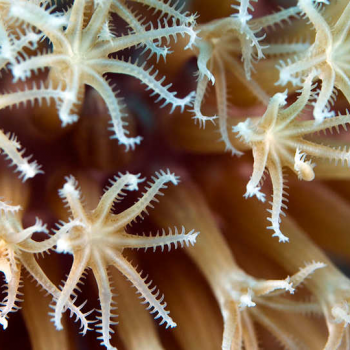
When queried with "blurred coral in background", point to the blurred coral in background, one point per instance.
{"points": [[107, 103]]}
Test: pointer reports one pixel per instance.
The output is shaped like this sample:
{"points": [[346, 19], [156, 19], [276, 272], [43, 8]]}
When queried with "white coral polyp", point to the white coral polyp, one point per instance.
{"points": [[100, 240]]}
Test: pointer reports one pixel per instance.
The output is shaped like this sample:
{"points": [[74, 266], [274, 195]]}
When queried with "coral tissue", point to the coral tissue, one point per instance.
{"points": [[214, 103]]}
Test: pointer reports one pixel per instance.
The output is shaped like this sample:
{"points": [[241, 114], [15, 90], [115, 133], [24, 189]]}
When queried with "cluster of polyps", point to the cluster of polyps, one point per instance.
{"points": [[96, 239], [80, 56], [82, 43]]}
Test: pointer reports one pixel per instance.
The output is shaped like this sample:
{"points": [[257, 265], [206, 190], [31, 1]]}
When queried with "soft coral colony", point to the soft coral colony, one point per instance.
{"points": [[56, 53]]}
